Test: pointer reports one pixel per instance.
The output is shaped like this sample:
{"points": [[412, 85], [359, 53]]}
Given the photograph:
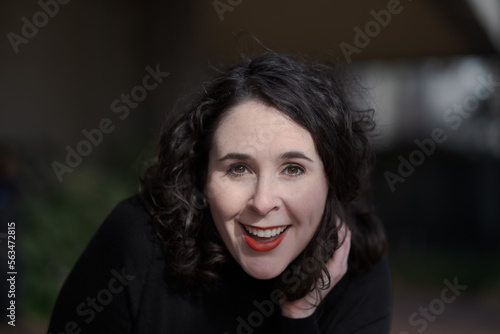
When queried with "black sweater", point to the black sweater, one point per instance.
{"points": [[119, 286]]}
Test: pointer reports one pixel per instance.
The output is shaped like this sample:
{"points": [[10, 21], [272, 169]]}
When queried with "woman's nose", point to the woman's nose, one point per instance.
{"points": [[265, 199]]}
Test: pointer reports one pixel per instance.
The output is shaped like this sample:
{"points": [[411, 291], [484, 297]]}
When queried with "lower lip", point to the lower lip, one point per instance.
{"points": [[264, 246]]}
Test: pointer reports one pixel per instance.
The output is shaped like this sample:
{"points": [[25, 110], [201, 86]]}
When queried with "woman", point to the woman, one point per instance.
{"points": [[249, 222]]}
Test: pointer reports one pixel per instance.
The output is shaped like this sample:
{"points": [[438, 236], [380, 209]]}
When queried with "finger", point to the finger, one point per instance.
{"points": [[342, 232], [345, 248], [337, 265], [344, 237]]}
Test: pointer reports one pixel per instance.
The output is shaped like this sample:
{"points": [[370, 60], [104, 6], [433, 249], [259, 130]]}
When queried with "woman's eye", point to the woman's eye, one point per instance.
{"points": [[238, 170], [294, 170]]}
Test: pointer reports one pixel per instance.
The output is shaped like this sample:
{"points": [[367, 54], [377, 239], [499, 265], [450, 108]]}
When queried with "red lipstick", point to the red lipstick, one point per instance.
{"points": [[264, 246]]}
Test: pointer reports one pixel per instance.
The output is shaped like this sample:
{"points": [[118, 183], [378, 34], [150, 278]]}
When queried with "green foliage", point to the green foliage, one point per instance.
{"points": [[58, 227]]}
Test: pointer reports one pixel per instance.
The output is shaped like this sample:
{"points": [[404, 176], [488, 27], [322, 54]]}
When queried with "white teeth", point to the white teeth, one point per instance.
{"points": [[271, 232]]}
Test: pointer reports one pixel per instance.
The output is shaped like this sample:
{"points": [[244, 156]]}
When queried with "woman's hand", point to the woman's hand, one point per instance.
{"points": [[337, 267]]}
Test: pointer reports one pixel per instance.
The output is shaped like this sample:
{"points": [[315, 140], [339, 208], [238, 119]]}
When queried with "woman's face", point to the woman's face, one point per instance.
{"points": [[266, 187]]}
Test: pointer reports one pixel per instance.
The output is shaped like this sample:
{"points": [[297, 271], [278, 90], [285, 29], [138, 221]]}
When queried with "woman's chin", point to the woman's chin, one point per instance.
{"points": [[263, 275], [262, 272]]}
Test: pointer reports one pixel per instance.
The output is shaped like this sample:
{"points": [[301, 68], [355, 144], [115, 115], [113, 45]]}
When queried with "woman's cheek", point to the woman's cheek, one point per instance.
{"points": [[219, 185], [308, 204], [215, 187], [228, 197]]}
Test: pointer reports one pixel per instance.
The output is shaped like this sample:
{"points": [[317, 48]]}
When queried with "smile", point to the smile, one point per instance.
{"points": [[264, 239]]}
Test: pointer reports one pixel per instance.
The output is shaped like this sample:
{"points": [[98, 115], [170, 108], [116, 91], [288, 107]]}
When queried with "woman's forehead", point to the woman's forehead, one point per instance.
{"points": [[253, 128], [257, 121]]}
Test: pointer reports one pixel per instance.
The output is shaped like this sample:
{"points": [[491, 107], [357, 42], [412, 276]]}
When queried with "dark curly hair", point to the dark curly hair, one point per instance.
{"points": [[313, 95]]}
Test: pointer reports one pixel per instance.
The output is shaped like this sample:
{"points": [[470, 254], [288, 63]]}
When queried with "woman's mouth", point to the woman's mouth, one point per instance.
{"points": [[264, 239]]}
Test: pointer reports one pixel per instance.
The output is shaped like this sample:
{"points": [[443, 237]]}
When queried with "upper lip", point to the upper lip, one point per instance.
{"points": [[264, 227]]}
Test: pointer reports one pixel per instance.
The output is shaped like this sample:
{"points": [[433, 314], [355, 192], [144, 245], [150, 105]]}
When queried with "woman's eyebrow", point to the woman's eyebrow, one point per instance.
{"points": [[295, 155], [284, 156], [236, 156]]}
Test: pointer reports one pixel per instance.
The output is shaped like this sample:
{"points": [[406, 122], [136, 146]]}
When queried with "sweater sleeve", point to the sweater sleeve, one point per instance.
{"points": [[307, 325], [102, 292], [357, 305]]}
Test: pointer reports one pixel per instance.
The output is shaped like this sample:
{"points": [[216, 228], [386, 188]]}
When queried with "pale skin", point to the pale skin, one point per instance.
{"points": [[264, 171]]}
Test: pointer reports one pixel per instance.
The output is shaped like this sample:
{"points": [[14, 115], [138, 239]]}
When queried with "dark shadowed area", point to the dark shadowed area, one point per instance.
{"points": [[85, 87]]}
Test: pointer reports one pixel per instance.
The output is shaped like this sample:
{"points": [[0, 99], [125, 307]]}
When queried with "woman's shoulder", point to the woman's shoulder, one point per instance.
{"points": [[130, 213], [126, 239], [129, 225]]}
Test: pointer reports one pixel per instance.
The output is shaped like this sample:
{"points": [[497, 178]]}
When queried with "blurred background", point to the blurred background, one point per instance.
{"points": [[77, 128]]}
